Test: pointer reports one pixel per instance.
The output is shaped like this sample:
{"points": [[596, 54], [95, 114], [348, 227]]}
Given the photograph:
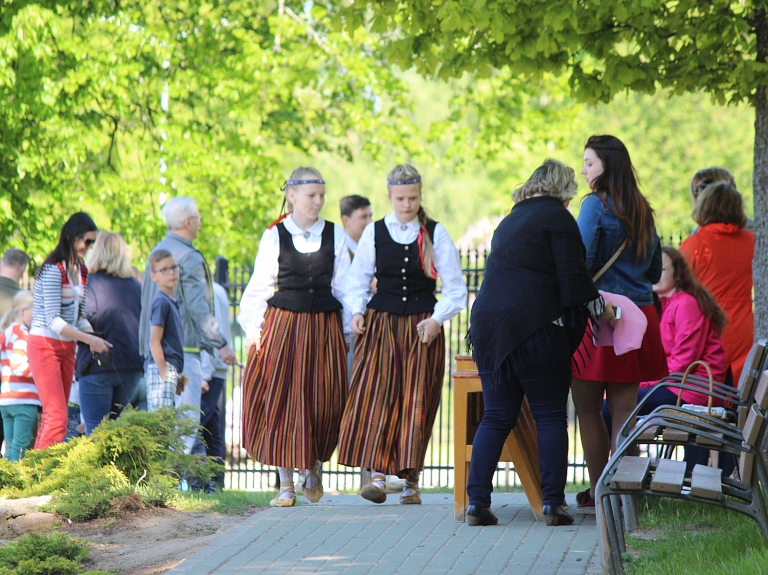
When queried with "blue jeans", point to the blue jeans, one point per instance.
{"points": [[139, 399], [539, 370], [211, 443], [18, 425], [105, 394]]}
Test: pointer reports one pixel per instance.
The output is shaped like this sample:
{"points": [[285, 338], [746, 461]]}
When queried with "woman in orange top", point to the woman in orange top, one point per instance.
{"points": [[720, 254]]}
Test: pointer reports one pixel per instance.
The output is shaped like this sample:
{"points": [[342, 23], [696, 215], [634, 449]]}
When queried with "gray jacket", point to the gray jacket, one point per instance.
{"points": [[201, 331], [211, 364]]}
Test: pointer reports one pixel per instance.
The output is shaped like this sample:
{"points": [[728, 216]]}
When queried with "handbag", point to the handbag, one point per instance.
{"points": [[716, 412]]}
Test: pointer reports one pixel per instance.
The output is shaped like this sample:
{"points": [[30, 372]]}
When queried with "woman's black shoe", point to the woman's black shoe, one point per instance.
{"points": [[482, 516], [555, 515]]}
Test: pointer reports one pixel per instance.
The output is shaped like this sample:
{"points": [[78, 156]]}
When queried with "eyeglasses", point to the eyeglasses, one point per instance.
{"points": [[88, 242], [170, 270]]}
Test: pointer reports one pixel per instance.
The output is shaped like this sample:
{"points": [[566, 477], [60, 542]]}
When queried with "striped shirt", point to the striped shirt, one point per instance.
{"points": [[58, 302], [18, 387]]}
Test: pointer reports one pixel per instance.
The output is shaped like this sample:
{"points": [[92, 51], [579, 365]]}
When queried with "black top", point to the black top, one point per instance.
{"points": [[304, 280], [535, 274], [165, 312], [402, 287], [113, 307]]}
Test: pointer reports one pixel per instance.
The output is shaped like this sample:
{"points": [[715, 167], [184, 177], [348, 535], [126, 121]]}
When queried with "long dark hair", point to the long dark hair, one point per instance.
{"points": [[619, 181], [685, 281], [76, 227]]}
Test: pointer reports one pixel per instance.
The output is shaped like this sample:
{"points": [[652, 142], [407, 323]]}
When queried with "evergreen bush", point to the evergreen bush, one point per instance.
{"points": [[138, 453]]}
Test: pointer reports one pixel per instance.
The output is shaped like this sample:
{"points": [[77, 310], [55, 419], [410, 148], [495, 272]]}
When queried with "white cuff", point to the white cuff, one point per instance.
{"points": [[57, 324]]}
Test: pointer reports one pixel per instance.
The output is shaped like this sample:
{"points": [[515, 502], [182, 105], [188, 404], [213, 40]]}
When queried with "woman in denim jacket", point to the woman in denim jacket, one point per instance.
{"points": [[614, 213]]}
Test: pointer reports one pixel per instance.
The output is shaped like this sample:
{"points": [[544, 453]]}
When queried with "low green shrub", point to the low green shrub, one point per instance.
{"points": [[39, 547], [55, 554], [137, 453]]}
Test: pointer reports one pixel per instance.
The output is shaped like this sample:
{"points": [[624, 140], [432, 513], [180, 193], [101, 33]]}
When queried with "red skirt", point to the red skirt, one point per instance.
{"points": [[648, 363]]}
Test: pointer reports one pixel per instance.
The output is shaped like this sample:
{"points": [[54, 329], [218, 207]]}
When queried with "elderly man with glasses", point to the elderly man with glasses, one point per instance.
{"points": [[194, 294]]}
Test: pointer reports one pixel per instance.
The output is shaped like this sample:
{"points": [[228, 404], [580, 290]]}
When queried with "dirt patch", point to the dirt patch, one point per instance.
{"points": [[137, 542]]}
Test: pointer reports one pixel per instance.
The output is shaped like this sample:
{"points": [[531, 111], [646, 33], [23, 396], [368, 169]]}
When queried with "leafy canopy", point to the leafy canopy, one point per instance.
{"points": [[114, 107], [604, 46]]}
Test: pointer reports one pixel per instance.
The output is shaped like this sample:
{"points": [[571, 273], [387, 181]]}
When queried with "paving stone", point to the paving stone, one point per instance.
{"points": [[344, 535]]}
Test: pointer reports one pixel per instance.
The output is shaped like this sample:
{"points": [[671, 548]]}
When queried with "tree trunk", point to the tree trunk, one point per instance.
{"points": [[760, 186]]}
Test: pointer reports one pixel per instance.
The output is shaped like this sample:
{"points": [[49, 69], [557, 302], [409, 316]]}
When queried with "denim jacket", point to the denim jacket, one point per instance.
{"points": [[602, 234]]}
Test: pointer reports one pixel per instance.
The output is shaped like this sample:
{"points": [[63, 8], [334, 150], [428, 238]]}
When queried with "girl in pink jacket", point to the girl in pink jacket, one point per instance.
{"points": [[691, 324]]}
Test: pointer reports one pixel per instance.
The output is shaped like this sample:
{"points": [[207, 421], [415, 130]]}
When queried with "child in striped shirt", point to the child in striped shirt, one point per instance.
{"points": [[19, 400]]}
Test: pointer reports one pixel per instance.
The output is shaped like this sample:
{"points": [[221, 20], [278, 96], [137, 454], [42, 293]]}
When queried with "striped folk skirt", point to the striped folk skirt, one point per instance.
{"points": [[394, 396], [295, 389]]}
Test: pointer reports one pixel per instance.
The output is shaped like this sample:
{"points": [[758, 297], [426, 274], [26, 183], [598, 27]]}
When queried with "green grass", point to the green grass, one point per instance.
{"points": [[226, 501], [680, 538]]}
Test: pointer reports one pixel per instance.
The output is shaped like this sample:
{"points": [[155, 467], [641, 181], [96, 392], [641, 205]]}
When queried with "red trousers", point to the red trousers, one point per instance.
{"points": [[53, 367]]}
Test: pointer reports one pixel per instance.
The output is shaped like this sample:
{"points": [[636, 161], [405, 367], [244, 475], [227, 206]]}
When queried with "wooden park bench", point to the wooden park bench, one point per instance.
{"points": [[739, 397], [627, 476], [520, 447]]}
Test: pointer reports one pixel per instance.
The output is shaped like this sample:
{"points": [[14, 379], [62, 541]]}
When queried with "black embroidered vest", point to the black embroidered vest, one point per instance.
{"points": [[304, 280], [402, 287]]}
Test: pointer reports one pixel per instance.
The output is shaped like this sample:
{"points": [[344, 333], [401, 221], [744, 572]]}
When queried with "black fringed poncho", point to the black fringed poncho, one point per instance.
{"points": [[535, 274]]}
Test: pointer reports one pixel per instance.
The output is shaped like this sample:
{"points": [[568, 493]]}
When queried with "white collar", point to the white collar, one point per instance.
{"points": [[351, 244], [295, 230], [391, 220]]}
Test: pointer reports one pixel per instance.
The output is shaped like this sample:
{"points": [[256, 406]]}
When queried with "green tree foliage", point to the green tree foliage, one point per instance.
{"points": [[114, 107], [476, 161], [603, 48]]}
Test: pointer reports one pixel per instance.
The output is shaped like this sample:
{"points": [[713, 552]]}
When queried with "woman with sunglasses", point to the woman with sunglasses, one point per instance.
{"points": [[58, 322]]}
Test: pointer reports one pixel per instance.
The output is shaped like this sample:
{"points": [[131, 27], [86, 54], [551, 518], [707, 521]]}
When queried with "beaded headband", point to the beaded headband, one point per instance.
{"points": [[415, 180], [300, 183]]}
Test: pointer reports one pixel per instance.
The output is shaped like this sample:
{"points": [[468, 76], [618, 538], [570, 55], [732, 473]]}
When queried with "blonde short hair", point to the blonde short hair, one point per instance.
{"points": [[109, 254], [552, 178]]}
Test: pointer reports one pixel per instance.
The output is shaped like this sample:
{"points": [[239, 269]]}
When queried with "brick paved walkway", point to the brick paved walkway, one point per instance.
{"points": [[344, 534]]}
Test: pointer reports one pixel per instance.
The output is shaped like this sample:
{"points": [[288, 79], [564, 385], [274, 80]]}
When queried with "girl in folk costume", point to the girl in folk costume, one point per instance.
{"points": [[295, 381], [400, 348]]}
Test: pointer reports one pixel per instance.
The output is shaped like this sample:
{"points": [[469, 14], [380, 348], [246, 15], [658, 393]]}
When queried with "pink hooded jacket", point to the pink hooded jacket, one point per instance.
{"points": [[688, 336]]}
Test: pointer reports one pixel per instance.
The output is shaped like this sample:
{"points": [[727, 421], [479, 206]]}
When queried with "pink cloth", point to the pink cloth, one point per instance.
{"points": [[627, 334], [688, 336]]}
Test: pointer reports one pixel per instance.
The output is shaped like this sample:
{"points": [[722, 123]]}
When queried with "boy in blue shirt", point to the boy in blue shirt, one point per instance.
{"points": [[164, 367]]}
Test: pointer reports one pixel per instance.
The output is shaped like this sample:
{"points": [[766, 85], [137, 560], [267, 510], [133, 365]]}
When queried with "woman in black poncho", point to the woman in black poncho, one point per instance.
{"points": [[527, 321]]}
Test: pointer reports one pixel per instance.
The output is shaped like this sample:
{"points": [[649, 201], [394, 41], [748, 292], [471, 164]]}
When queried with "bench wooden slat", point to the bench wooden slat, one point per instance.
{"points": [[649, 434], [746, 463], [701, 440], [631, 473], [761, 393], [675, 435], [707, 483], [752, 426], [742, 417], [669, 476]]}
